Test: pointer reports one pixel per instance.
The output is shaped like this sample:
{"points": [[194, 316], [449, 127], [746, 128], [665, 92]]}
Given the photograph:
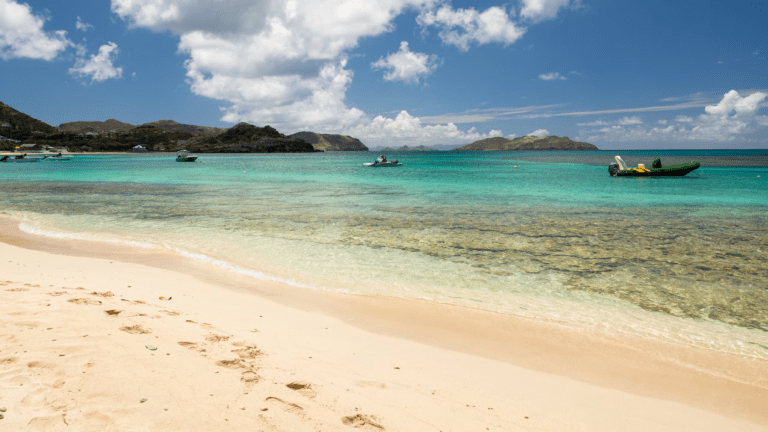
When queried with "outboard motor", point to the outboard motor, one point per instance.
{"points": [[613, 169], [4, 158], [656, 163]]}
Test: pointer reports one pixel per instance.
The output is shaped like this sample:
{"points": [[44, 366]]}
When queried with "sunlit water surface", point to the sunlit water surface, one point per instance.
{"points": [[557, 239]]}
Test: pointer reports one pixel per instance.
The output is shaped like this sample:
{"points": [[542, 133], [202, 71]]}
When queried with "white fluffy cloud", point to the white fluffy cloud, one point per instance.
{"points": [[464, 27], [734, 117], [406, 65], [22, 34], [539, 133], [283, 62], [99, 67], [82, 26], [627, 121], [540, 10], [552, 76], [406, 129], [593, 123], [280, 62]]}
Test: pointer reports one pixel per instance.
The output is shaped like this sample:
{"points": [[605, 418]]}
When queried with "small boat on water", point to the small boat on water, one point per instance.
{"points": [[621, 169], [58, 157], [19, 159], [183, 156], [382, 162]]}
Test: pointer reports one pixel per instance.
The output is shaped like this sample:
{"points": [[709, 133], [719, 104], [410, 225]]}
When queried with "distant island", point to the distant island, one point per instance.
{"points": [[329, 142], [19, 130], [527, 143], [405, 148]]}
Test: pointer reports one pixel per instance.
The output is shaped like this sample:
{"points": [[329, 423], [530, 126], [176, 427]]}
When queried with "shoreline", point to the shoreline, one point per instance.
{"points": [[529, 351]]}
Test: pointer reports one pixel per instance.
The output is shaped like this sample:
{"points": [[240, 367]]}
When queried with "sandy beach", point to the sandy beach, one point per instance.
{"points": [[100, 339]]}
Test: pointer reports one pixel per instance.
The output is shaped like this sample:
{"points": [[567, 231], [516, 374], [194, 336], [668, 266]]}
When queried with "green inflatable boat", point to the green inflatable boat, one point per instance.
{"points": [[620, 169]]}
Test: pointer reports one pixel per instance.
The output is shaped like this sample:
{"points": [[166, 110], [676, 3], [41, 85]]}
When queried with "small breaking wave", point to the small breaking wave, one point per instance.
{"points": [[255, 274], [82, 236]]}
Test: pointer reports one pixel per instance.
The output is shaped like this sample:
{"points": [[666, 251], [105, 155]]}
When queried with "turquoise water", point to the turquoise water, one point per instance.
{"points": [[555, 239]]}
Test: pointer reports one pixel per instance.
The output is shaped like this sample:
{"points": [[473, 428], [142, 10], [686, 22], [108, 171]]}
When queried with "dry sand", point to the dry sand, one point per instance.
{"points": [[237, 354]]}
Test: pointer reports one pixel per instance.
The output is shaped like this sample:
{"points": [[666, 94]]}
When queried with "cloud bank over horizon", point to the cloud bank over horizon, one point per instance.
{"points": [[288, 68], [734, 117]]}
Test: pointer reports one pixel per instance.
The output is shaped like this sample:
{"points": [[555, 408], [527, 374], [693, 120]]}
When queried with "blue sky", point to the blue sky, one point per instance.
{"points": [[627, 74]]}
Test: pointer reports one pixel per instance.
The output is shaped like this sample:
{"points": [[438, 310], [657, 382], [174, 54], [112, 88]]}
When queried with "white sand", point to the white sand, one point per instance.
{"points": [[66, 364]]}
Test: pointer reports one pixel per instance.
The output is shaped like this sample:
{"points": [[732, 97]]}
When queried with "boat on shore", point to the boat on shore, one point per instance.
{"points": [[183, 156], [19, 159], [621, 169]]}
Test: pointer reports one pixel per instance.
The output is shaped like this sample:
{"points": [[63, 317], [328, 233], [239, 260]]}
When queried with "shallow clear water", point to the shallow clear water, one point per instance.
{"points": [[557, 238]]}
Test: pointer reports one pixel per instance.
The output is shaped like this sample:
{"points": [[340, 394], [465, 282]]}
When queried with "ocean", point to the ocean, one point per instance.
{"points": [[548, 236]]}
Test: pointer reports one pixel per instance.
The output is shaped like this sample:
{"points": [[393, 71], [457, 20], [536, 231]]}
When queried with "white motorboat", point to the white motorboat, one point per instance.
{"points": [[58, 157], [183, 156], [382, 164]]}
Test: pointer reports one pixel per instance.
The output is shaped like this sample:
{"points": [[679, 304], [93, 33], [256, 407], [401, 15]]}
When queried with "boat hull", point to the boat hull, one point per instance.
{"points": [[25, 160], [186, 159], [385, 164], [667, 171]]}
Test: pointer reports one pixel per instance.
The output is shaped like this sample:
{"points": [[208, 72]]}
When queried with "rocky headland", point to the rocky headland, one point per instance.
{"points": [[405, 148], [527, 143], [330, 142]]}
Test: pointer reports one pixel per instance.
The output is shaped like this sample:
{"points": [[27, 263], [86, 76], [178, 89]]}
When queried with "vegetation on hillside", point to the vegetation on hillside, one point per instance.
{"points": [[528, 143], [331, 142], [96, 126], [405, 148], [20, 126], [164, 135]]}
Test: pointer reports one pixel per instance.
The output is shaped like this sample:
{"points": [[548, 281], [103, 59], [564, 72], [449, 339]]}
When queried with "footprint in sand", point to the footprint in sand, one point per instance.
{"points": [[216, 338], [57, 293], [18, 289], [285, 406], [135, 329], [8, 360], [104, 294], [39, 365], [112, 312], [304, 388], [231, 364], [133, 301], [84, 301], [247, 353], [249, 377], [188, 345], [171, 313], [361, 421]]}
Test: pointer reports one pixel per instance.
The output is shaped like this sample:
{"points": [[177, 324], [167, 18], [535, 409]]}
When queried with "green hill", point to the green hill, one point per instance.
{"points": [[172, 126], [19, 126], [405, 148], [95, 126], [528, 143], [329, 142], [246, 138], [160, 136]]}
